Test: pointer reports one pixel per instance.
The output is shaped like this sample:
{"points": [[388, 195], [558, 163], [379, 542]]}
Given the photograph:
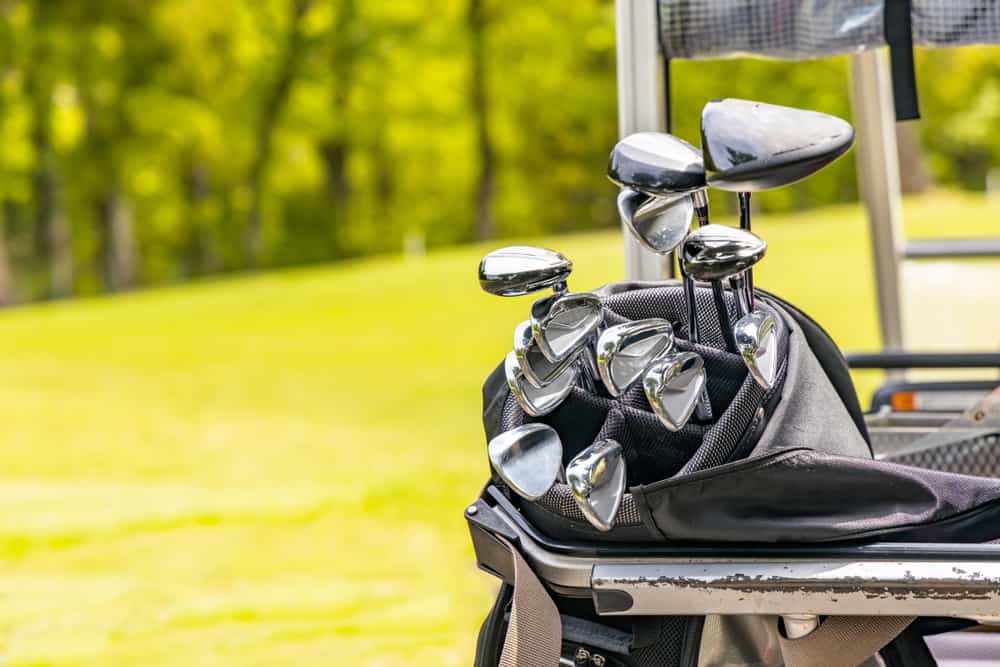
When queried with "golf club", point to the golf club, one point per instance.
{"points": [[673, 386], [537, 369], [527, 458], [596, 476], [625, 351], [537, 401], [519, 270], [664, 166]]}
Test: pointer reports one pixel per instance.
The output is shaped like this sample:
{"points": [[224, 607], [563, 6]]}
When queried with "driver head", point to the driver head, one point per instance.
{"points": [[517, 270], [752, 146], [715, 252]]}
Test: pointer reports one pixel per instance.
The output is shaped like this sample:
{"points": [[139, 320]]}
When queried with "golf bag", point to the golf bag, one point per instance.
{"points": [[733, 528]]}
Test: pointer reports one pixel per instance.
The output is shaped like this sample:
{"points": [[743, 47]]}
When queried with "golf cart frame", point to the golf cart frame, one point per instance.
{"points": [[799, 583]]}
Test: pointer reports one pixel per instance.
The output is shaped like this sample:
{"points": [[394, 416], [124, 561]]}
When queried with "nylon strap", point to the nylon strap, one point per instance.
{"points": [[843, 641], [534, 635]]}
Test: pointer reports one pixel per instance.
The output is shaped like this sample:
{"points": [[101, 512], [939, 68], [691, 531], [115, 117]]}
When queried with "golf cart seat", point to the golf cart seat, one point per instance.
{"points": [[774, 509]]}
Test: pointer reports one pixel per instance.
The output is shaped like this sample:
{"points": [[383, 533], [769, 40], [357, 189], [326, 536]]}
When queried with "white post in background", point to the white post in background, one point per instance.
{"points": [[641, 107], [878, 178]]}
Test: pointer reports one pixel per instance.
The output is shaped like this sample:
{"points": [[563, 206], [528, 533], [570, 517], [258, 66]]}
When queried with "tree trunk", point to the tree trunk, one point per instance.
{"points": [[203, 256], [485, 188], [274, 104], [336, 149], [120, 250], [6, 276], [53, 223], [913, 175]]}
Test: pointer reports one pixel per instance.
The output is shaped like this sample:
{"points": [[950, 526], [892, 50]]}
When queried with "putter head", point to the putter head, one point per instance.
{"points": [[757, 343], [673, 386], [656, 163], [596, 476], [659, 223], [537, 370], [517, 270], [625, 351], [714, 252], [527, 458], [562, 323], [752, 146], [537, 401]]}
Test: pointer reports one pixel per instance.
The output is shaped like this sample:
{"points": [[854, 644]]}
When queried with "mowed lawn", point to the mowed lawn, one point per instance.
{"points": [[271, 470]]}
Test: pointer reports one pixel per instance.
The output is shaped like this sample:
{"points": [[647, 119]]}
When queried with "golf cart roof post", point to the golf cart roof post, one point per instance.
{"points": [[651, 32]]}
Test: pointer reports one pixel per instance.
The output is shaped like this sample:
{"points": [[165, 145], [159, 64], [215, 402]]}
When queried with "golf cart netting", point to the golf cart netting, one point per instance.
{"points": [[801, 29]]}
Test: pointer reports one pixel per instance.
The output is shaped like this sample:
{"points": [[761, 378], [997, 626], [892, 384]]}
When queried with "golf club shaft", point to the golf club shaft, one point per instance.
{"points": [[744, 198], [719, 296], [700, 199], [738, 285], [704, 408]]}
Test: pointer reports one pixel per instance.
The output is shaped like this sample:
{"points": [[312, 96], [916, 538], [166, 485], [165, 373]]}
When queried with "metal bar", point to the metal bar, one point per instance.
{"points": [[641, 107], [878, 177], [833, 587], [947, 248], [903, 360]]}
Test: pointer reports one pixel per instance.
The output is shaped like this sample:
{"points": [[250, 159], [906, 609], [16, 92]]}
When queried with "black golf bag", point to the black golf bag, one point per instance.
{"points": [[735, 531]]}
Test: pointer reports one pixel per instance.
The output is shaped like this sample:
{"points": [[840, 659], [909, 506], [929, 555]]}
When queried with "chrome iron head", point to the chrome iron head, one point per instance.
{"points": [[625, 351], [659, 223], [518, 270], [596, 476], [562, 323], [674, 386], [527, 458], [757, 343], [537, 401], [537, 369]]}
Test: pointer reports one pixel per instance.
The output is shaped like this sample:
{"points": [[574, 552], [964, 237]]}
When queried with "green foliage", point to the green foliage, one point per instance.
{"points": [[231, 134]]}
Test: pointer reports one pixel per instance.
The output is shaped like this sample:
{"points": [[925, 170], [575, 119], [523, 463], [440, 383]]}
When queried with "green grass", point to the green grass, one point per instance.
{"points": [[271, 470]]}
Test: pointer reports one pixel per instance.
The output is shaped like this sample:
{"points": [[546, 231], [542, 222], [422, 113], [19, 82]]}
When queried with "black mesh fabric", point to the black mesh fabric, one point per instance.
{"points": [[668, 647]]}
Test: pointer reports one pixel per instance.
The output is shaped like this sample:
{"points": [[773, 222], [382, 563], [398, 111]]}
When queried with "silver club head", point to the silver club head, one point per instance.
{"points": [[659, 223], [527, 458], [517, 270], [562, 323], [657, 163], [537, 401], [715, 252], [625, 351], [537, 370], [757, 343], [596, 476], [673, 387]]}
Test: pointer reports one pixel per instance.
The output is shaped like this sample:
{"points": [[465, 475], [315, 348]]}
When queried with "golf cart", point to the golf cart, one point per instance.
{"points": [[682, 474]]}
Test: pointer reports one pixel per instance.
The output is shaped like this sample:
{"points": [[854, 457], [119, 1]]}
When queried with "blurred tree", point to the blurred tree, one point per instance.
{"points": [[485, 186]]}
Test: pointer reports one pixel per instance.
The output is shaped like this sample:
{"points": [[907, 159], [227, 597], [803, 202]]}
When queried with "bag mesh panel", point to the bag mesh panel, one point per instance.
{"points": [[814, 28], [978, 456], [667, 650]]}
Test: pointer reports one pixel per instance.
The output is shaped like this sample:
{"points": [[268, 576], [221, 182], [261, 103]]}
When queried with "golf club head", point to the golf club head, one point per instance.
{"points": [[659, 223], [562, 323], [596, 476], [537, 401], [752, 146], [656, 163], [517, 270], [527, 458], [757, 343], [673, 387], [625, 351], [537, 370], [714, 252]]}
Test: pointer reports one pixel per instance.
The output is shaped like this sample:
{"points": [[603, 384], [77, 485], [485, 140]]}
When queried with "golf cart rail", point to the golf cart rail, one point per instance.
{"points": [[906, 360], [882, 579]]}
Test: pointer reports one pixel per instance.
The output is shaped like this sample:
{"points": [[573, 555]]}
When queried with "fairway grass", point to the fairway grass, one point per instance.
{"points": [[271, 470]]}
